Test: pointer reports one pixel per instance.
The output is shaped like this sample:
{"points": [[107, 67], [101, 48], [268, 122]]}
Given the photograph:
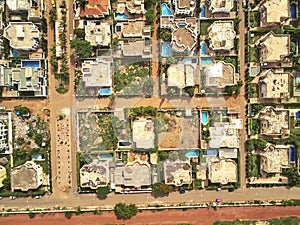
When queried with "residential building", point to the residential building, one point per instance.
{"points": [[222, 171], [220, 6], [220, 75], [274, 122], [274, 13], [274, 47], [32, 10], [97, 73], [221, 35], [181, 75], [98, 33], [132, 6], [225, 134], [143, 133], [2, 175], [24, 81], [96, 9], [6, 130], [22, 35], [184, 6], [3, 135], [136, 47], [274, 85], [228, 153], [177, 172], [133, 29], [94, 175], [28, 176]]}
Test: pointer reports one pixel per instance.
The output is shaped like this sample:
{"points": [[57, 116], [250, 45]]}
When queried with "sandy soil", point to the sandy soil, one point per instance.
{"points": [[195, 216]]}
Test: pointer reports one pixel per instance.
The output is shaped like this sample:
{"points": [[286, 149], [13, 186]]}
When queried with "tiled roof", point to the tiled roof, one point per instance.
{"points": [[95, 8]]}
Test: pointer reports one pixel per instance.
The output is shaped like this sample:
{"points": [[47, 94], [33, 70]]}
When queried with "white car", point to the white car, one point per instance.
{"points": [[1, 197], [12, 197], [38, 197]]}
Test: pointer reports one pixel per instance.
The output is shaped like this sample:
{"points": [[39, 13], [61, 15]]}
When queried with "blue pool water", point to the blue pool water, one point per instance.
{"points": [[203, 12], [203, 47], [210, 152], [36, 156], [190, 60], [105, 91], [14, 53], [297, 80], [192, 153], [293, 11], [105, 156], [121, 16], [31, 63], [298, 115], [292, 154], [181, 24], [206, 61], [204, 118], [165, 49], [165, 10]]}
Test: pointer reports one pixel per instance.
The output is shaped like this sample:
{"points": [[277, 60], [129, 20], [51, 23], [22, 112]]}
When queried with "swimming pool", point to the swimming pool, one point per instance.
{"points": [[297, 80], [292, 154], [192, 153], [204, 118], [38, 156], [121, 16], [181, 24], [105, 91], [165, 10], [190, 60], [203, 12], [210, 152], [31, 63], [165, 49], [203, 47], [298, 115], [293, 11], [14, 53], [206, 61], [105, 156]]}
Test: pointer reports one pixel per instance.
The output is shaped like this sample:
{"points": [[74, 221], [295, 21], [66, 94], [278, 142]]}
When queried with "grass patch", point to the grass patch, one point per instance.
{"points": [[253, 166], [254, 54], [254, 126], [253, 90], [204, 26], [254, 18]]}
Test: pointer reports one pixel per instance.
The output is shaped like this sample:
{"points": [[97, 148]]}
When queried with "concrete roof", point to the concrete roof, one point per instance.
{"points": [[143, 133], [98, 33], [135, 28], [274, 47], [274, 85], [274, 158], [132, 6], [221, 35], [220, 75], [274, 11], [217, 6], [18, 5], [27, 176], [97, 73], [181, 75], [184, 6], [177, 173], [94, 175], [136, 48], [229, 153], [22, 35], [223, 171]]}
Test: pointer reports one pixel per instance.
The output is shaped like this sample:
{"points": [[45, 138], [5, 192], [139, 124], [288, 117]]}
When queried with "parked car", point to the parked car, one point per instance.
{"points": [[231, 190], [1, 197], [71, 37], [181, 191], [38, 197], [12, 197], [218, 200]]}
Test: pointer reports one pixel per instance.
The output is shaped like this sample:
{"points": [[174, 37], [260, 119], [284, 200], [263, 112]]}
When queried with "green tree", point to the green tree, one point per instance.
{"points": [[102, 192], [150, 17], [124, 211], [162, 189], [82, 3], [22, 109], [31, 215], [83, 48], [52, 15], [80, 33], [171, 60], [293, 176], [165, 34], [68, 214]]}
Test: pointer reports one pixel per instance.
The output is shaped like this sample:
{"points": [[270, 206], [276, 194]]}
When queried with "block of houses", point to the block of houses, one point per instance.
{"points": [[28, 176], [274, 122], [22, 35], [220, 75], [95, 9], [143, 133], [222, 171], [273, 13], [94, 175], [184, 6], [32, 10], [220, 6], [177, 172], [98, 33], [221, 35]]}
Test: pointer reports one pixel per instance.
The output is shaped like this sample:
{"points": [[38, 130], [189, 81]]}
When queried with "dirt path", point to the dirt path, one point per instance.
{"points": [[195, 216]]}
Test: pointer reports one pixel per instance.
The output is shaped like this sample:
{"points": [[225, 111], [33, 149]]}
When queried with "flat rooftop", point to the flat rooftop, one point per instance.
{"points": [[136, 48], [221, 35], [275, 10], [177, 173], [98, 33], [135, 28], [223, 171], [133, 6], [216, 6], [94, 175], [184, 38], [143, 133], [180, 75]]}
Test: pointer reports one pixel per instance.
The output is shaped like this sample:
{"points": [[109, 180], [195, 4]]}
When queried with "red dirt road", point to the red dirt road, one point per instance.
{"points": [[194, 216]]}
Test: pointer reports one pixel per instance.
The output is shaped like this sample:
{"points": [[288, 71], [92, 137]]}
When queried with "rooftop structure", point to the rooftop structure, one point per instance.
{"points": [[136, 48], [2, 175], [134, 174], [97, 73], [181, 75], [33, 8], [273, 85], [95, 9], [26, 80], [225, 135], [220, 75], [6, 132], [133, 29], [274, 122], [221, 35], [220, 6], [28, 176], [132, 6], [274, 47], [143, 133], [273, 13], [228, 153], [22, 35], [94, 175], [98, 33], [177, 173], [184, 6], [274, 158], [223, 171]]}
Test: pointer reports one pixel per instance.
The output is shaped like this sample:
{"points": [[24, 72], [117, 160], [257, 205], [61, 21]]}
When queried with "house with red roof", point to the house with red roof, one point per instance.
{"points": [[95, 9]]}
